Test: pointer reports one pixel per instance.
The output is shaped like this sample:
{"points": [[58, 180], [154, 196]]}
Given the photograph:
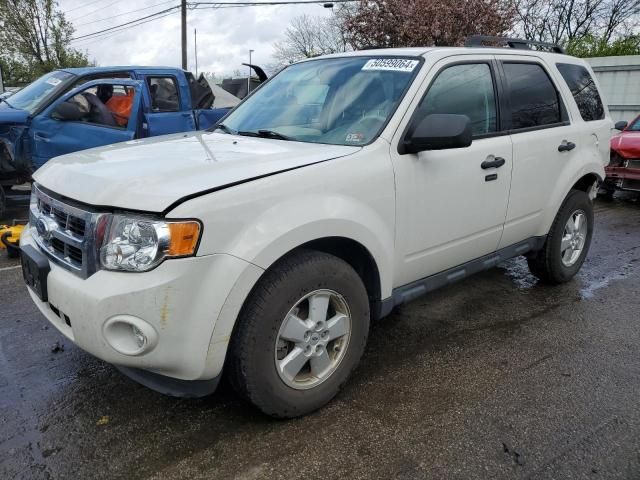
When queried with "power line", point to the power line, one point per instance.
{"points": [[95, 11], [200, 5], [270, 2], [82, 6], [89, 41], [126, 23], [123, 14]]}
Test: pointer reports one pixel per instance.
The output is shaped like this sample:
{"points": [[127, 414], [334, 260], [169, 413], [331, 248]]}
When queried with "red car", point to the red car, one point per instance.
{"points": [[623, 172]]}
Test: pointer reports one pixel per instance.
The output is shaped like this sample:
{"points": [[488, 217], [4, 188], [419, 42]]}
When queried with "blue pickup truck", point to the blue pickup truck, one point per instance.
{"points": [[78, 108]]}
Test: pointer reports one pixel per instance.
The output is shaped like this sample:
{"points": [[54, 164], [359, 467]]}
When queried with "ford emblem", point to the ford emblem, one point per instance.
{"points": [[42, 227]]}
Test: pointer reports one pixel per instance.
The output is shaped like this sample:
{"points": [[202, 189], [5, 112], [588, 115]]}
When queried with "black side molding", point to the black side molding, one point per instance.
{"points": [[416, 289]]}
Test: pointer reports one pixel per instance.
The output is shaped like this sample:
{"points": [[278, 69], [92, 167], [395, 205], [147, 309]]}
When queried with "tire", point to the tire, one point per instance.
{"points": [[548, 264], [258, 346]]}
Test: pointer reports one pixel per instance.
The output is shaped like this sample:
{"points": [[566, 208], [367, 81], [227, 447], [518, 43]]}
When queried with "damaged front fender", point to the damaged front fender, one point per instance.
{"points": [[14, 154]]}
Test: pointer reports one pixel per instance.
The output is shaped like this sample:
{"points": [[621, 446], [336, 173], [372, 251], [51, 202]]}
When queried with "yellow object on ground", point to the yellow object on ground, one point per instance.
{"points": [[14, 231]]}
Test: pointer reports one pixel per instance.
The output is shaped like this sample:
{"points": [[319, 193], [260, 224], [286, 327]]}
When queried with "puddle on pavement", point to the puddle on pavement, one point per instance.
{"points": [[591, 283], [594, 275], [518, 271]]}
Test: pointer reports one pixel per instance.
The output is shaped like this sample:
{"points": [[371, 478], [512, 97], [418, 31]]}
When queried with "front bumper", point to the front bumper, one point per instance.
{"points": [[178, 304], [623, 178]]}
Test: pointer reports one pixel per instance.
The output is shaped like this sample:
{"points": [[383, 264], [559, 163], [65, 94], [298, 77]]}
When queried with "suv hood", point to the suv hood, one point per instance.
{"points": [[152, 174]]}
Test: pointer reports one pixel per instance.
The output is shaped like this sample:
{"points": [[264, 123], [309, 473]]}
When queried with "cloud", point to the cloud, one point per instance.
{"points": [[225, 35]]}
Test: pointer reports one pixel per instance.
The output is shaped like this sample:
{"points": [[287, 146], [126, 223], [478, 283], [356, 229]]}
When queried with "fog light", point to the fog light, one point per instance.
{"points": [[141, 339], [130, 335]]}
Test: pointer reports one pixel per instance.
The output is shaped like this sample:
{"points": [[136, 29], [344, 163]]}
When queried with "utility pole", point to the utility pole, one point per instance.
{"points": [[195, 48], [184, 34]]}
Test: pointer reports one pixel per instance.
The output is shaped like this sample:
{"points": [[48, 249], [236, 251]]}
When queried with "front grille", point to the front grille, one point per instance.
{"points": [[633, 164], [64, 232], [63, 219], [631, 185]]}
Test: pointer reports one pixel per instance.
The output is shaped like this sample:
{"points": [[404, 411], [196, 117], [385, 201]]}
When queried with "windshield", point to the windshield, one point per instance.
{"points": [[32, 96], [635, 126], [340, 101]]}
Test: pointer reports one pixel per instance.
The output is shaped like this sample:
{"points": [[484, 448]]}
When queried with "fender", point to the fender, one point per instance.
{"points": [[563, 189]]}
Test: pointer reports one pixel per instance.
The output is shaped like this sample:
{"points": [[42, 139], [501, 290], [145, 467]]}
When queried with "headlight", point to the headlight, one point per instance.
{"points": [[139, 244]]}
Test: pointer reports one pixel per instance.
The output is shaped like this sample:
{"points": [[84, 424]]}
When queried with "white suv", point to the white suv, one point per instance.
{"points": [[343, 187]]}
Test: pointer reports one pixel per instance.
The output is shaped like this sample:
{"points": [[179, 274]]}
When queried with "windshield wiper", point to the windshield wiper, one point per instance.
{"points": [[225, 129], [265, 134]]}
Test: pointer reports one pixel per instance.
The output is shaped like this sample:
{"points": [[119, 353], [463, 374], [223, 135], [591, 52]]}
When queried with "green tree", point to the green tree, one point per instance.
{"points": [[35, 38], [592, 46]]}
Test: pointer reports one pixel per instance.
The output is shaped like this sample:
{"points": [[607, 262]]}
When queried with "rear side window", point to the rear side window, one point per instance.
{"points": [[164, 94], [465, 89], [533, 98], [584, 91]]}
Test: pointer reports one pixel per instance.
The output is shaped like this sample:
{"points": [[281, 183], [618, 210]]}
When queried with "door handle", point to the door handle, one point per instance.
{"points": [[566, 146], [495, 163]]}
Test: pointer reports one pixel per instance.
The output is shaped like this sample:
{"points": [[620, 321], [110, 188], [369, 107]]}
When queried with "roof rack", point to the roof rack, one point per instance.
{"points": [[518, 43]]}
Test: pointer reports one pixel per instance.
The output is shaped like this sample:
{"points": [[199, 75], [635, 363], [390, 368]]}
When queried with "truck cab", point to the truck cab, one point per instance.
{"points": [[74, 109]]}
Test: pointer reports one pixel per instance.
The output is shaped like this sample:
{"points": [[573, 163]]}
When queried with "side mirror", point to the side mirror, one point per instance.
{"points": [[621, 125], [68, 112], [438, 131]]}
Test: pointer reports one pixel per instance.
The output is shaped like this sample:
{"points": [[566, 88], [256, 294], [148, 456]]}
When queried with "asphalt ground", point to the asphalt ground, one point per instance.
{"points": [[495, 377]]}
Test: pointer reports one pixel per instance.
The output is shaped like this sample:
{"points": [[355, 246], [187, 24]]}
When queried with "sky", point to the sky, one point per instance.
{"points": [[225, 35]]}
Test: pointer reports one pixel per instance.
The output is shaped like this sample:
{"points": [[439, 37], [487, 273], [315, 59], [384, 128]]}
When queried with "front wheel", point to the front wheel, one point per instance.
{"points": [[568, 241], [300, 334]]}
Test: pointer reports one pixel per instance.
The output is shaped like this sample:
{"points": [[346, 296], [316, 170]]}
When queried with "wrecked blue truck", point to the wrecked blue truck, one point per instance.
{"points": [[78, 108]]}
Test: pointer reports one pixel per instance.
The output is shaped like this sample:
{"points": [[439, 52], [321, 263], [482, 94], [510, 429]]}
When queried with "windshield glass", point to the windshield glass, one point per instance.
{"points": [[635, 125], [31, 96], [340, 101]]}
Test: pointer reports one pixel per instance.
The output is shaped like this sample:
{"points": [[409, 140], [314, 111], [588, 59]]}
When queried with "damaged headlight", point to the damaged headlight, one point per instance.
{"points": [[139, 244]]}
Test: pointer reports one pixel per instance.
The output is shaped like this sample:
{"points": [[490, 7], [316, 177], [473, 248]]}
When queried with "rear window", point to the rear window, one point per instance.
{"points": [[164, 94], [584, 91], [533, 98]]}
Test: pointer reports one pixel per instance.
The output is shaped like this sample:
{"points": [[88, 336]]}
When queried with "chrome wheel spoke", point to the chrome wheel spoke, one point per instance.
{"points": [[337, 326], [568, 253], [294, 329], [318, 307], [574, 238], [313, 339], [291, 365], [320, 364]]}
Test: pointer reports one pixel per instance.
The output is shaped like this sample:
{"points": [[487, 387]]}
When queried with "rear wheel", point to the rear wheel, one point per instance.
{"points": [[568, 241], [300, 334]]}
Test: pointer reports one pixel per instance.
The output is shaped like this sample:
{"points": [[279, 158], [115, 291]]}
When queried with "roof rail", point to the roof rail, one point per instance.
{"points": [[518, 43]]}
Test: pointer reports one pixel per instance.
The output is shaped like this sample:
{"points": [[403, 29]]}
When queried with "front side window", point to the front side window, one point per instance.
{"points": [[339, 101], [533, 98], [106, 104], [465, 89], [36, 94], [584, 91], [164, 94]]}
